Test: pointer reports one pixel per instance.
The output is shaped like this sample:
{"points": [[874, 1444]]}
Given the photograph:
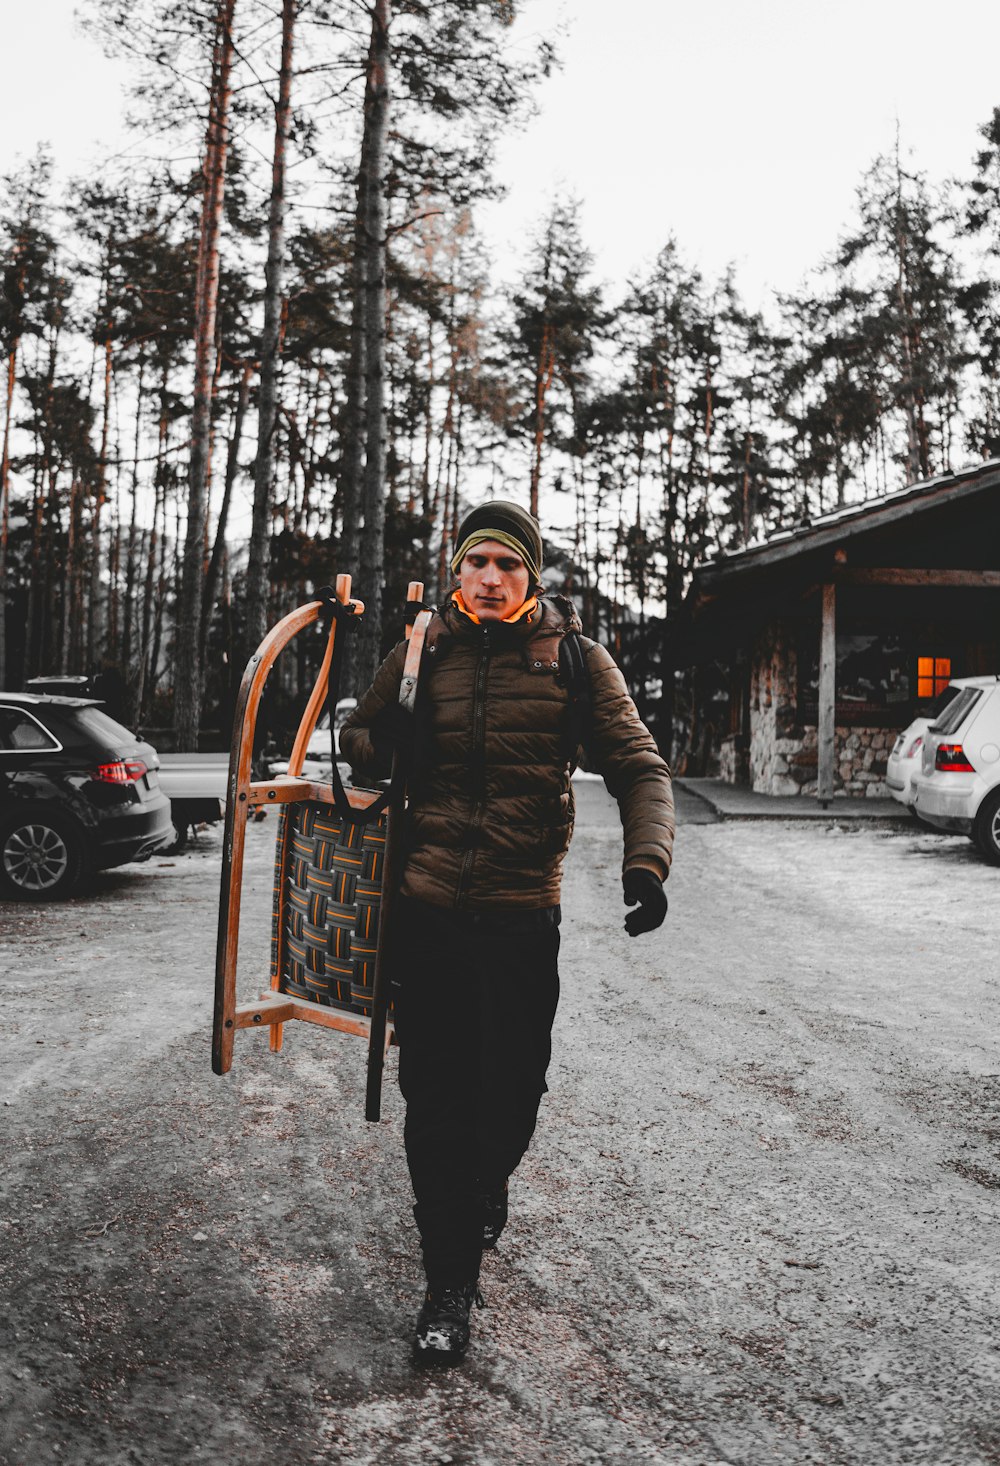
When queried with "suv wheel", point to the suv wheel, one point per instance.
{"points": [[986, 831], [40, 858]]}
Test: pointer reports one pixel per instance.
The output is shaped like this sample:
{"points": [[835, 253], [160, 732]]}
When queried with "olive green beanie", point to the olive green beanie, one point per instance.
{"points": [[507, 523]]}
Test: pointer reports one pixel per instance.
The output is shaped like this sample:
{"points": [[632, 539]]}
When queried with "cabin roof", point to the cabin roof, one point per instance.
{"points": [[828, 531]]}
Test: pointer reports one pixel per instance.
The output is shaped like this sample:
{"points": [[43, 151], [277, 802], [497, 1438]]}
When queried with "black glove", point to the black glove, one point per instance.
{"points": [[642, 887], [391, 732]]}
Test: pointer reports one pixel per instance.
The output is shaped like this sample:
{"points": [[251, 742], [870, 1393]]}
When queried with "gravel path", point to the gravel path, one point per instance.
{"points": [[758, 1223]]}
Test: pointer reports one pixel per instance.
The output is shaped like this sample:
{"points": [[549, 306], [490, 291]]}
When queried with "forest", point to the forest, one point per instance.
{"points": [[265, 346]]}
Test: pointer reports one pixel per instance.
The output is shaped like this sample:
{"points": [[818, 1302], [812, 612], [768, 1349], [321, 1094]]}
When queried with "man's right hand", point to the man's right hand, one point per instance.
{"points": [[392, 732], [642, 888]]}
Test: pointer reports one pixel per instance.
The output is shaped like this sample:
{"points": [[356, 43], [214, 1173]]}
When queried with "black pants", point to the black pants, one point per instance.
{"points": [[475, 997]]}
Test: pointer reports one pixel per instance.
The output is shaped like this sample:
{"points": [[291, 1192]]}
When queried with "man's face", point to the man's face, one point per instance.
{"points": [[494, 580]]}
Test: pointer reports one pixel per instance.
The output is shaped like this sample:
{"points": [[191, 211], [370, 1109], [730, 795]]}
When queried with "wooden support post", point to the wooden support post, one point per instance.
{"points": [[827, 695]]}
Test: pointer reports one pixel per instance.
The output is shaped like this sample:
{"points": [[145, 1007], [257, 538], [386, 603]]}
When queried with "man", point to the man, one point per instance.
{"points": [[476, 932]]}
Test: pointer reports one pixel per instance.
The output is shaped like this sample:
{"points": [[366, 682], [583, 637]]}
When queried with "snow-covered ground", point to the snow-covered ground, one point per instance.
{"points": [[758, 1223]]}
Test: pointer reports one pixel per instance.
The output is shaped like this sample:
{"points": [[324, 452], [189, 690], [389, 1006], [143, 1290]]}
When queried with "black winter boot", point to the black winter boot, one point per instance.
{"points": [[494, 1204], [442, 1335]]}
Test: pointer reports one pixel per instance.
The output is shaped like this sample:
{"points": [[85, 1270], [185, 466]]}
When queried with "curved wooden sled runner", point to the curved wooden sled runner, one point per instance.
{"points": [[280, 1006]]}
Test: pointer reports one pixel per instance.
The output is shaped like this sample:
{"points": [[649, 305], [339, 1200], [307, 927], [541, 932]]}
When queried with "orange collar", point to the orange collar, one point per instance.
{"points": [[523, 612]]}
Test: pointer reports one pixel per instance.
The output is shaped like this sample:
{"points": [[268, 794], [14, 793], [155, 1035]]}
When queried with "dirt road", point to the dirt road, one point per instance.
{"points": [[758, 1225]]}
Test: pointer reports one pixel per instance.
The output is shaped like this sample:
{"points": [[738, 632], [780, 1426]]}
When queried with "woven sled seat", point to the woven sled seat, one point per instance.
{"points": [[332, 896]]}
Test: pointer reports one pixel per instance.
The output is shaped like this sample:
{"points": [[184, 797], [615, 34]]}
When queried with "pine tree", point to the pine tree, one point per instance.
{"points": [[556, 319], [896, 263], [979, 299]]}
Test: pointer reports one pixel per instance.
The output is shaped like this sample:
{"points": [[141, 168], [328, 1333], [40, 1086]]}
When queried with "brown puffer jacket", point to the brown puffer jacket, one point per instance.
{"points": [[491, 805]]}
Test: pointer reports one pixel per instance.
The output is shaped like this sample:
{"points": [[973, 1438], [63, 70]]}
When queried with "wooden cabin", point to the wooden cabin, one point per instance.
{"points": [[837, 633]]}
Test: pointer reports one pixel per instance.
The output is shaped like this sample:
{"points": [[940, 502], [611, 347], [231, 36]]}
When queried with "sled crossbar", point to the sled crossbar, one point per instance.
{"points": [[284, 1007], [286, 790]]}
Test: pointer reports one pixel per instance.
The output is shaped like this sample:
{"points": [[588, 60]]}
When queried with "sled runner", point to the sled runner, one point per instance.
{"points": [[336, 862]]}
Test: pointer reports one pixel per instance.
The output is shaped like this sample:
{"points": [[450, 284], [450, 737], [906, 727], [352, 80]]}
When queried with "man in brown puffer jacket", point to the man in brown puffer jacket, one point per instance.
{"points": [[476, 934]]}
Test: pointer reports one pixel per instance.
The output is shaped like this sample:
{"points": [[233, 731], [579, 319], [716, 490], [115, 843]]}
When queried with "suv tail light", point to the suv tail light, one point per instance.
{"points": [[122, 771], [950, 759]]}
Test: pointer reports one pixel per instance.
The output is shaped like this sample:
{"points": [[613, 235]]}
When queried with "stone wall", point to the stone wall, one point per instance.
{"points": [[783, 758], [861, 757], [729, 761]]}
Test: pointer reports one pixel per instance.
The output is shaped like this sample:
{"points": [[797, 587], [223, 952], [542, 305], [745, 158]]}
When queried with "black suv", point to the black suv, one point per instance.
{"points": [[78, 792]]}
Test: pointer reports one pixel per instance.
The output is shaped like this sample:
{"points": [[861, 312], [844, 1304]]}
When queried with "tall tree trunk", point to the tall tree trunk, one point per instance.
{"points": [[446, 465], [70, 611], [311, 451], [95, 610], [443, 543], [353, 421], [909, 396], [187, 661], [219, 547], [159, 508], [131, 567], [114, 567], [905, 332], [544, 371], [36, 573], [267, 412], [746, 504], [39, 618], [373, 543], [5, 505], [113, 640], [77, 616], [443, 477]]}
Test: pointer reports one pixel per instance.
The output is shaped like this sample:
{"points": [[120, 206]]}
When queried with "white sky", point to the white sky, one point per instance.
{"points": [[742, 126]]}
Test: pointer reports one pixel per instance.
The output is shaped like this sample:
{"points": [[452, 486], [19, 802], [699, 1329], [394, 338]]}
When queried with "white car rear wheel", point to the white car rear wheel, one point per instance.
{"points": [[986, 830]]}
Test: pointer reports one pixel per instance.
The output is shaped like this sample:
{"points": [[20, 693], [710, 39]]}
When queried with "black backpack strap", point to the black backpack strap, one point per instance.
{"points": [[333, 610], [576, 678]]}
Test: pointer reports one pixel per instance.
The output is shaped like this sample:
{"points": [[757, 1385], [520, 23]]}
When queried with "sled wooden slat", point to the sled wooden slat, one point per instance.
{"points": [[288, 790]]}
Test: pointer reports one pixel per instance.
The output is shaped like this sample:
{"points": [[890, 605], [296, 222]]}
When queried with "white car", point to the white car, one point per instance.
{"points": [[958, 787], [316, 764], [904, 760]]}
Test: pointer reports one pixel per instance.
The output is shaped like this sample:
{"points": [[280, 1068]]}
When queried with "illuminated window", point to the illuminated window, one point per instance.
{"points": [[933, 675]]}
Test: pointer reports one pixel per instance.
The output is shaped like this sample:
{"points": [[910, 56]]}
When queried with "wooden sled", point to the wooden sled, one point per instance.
{"points": [[332, 887]]}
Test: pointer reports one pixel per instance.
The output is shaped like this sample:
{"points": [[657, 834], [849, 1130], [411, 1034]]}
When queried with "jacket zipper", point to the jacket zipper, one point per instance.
{"points": [[479, 763]]}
